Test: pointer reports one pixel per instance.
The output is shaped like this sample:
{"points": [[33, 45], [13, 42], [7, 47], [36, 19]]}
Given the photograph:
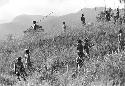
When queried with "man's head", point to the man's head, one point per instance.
{"points": [[120, 31], [82, 15], [34, 22], [63, 22], [27, 52], [19, 59], [79, 41]]}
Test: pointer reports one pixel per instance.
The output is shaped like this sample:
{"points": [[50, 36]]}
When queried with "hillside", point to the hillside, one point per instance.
{"points": [[103, 67]]}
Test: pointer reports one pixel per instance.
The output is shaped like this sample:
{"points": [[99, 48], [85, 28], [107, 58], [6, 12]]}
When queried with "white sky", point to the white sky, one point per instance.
{"points": [[12, 8]]}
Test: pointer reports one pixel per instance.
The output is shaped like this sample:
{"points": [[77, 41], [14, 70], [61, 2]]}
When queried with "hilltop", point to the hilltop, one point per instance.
{"points": [[51, 23]]}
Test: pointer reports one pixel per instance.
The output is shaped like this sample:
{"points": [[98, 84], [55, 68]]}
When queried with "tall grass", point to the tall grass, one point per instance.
{"points": [[47, 49]]}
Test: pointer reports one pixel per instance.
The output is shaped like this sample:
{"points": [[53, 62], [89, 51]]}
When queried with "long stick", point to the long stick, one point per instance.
{"points": [[105, 5], [45, 17]]}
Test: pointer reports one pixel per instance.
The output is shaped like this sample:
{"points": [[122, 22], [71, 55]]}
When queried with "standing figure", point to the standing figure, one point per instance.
{"points": [[86, 46], [121, 40], [28, 61], [83, 19], [34, 25], [80, 58], [64, 26], [117, 14], [107, 15], [110, 14], [19, 69]]}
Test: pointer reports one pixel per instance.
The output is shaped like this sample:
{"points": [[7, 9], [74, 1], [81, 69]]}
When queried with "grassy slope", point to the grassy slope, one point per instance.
{"points": [[100, 67]]}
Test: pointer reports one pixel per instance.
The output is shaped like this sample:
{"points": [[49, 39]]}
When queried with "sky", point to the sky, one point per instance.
{"points": [[9, 9]]}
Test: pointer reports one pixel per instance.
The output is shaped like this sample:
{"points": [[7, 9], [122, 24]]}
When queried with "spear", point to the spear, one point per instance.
{"points": [[45, 17], [105, 5]]}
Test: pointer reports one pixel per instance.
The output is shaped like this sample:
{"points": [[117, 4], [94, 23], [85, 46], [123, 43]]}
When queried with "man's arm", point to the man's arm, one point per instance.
{"points": [[15, 68]]}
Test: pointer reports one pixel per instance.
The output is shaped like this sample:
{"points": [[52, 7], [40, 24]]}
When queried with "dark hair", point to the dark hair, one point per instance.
{"points": [[19, 59], [120, 31], [63, 22], [27, 51], [34, 22], [79, 41], [82, 14]]}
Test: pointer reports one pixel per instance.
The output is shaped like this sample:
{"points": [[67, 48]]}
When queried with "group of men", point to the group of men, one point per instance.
{"points": [[116, 17], [108, 15], [84, 51], [20, 69], [83, 54]]}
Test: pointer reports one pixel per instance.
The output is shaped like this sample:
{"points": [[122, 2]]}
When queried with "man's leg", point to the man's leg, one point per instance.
{"points": [[18, 76], [122, 46], [23, 75]]}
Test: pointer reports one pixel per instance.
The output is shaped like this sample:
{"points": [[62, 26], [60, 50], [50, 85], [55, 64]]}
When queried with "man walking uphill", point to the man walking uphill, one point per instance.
{"points": [[19, 69], [80, 58]]}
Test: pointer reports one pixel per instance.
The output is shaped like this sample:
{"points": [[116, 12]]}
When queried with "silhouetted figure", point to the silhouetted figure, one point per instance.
{"points": [[19, 69], [34, 25], [81, 56], [107, 15], [64, 26], [80, 49], [110, 14], [83, 19], [117, 14], [80, 59]]}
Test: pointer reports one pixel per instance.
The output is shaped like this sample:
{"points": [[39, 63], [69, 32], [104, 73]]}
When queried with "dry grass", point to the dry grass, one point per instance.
{"points": [[45, 49]]}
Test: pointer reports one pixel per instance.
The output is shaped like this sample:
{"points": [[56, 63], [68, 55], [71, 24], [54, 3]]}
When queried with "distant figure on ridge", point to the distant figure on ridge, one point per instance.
{"points": [[64, 26], [116, 17], [35, 26], [107, 15], [117, 13], [83, 19]]}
